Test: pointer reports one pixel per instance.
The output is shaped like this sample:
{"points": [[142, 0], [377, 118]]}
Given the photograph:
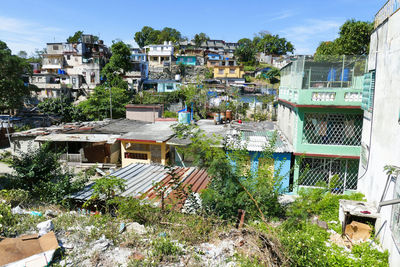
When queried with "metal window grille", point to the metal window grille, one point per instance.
{"points": [[332, 129], [338, 174]]}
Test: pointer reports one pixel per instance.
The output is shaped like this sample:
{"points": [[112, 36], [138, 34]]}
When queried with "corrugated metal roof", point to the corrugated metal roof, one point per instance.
{"points": [[258, 141], [140, 180]]}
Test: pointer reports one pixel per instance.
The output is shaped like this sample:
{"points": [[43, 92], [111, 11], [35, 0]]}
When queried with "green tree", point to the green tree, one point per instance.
{"points": [[40, 172], [246, 51], [62, 107], [169, 34], [274, 45], [354, 38], [234, 184], [13, 90], [200, 38], [76, 38], [273, 75], [118, 65], [146, 36], [22, 54], [97, 106]]}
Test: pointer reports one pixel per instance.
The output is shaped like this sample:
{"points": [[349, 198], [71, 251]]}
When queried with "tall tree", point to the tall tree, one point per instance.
{"points": [[200, 38], [274, 45], [22, 54], [245, 52], [146, 36], [169, 34], [119, 64], [97, 106], [354, 38], [12, 86], [76, 38]]}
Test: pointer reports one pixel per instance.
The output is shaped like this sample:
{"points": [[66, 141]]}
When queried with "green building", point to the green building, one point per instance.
{"points": [[320, 113]]}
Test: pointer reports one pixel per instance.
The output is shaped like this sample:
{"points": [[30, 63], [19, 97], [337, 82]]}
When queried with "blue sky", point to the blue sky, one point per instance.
{"points": [[26, 24]]}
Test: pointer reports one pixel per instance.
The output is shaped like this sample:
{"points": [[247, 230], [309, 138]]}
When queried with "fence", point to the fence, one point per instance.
{"points": [[325, 72], [339, 174], [332, 129]]}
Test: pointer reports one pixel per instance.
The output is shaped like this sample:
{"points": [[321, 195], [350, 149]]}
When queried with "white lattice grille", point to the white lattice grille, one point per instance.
{"points": [[332, 129], [338, 174]]}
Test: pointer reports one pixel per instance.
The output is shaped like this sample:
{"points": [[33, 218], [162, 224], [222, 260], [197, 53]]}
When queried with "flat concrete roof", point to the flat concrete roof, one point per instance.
{"points": [[158, 132]]}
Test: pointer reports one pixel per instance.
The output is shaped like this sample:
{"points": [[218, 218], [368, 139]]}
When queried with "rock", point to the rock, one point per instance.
{"points": [[136, 228], [45, 227], [50, 213], [101, 245]]}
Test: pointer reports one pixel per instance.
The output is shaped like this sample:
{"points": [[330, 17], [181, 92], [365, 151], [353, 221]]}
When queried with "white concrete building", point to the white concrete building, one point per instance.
{"points": [[68, 68], [160, 55], [381, 127]]}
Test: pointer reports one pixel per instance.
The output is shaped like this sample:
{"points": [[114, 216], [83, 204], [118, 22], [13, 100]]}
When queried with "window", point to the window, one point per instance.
{"points": [[221, 71], [92, 78], [332, 129], [232, 71], [68, 57], [141, 156], [55, 47], [368, 91], [170, 87], [339, 174]]}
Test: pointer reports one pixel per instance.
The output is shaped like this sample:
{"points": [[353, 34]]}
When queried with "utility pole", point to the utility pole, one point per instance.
{"points": [[110, 105]]}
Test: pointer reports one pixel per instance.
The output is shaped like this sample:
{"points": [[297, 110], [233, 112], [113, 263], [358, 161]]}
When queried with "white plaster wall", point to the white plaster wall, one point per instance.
{"points": [[287, 121], [384, 140]]}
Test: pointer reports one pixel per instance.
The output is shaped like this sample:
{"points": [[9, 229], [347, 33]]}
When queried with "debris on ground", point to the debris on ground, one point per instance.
{"points": [[30, 250]]}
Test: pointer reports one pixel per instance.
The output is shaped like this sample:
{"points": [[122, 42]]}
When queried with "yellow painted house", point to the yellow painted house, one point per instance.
{"points": [[148, 144], [228, 72]]}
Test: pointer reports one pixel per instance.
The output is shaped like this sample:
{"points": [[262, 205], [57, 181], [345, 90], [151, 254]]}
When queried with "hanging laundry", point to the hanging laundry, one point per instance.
{"points": [[349, 128]]}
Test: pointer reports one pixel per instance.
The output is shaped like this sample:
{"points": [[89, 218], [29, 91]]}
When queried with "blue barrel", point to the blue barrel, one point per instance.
{"points": [[184, 117]]}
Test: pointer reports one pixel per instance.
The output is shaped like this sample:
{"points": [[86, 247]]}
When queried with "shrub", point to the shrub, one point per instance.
{"points": [[40, 173], [7, 219], [165, 249], [15, 197], [170, 114]]}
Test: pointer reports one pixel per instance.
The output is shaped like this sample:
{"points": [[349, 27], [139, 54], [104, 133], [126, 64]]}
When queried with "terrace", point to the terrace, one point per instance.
{"points": [[335, 81]]}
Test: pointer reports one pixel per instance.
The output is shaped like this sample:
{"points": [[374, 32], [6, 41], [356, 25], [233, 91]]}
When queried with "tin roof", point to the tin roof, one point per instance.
{"points": [[258, 141], [140, 180]]}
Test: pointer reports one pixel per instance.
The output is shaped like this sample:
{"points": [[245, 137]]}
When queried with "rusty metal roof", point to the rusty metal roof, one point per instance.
{"points": [[141, 178]]}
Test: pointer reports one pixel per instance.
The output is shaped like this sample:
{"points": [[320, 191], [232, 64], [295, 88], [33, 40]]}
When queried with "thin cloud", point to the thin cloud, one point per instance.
{"points": [[26, 35], [282, 15], [309, 34]]}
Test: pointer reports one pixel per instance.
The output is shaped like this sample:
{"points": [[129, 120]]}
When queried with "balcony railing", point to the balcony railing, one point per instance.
{"points": [[71, 158]]}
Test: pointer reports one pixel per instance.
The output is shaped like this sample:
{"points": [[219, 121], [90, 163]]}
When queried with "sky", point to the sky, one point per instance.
{"points": [[28, 25]]}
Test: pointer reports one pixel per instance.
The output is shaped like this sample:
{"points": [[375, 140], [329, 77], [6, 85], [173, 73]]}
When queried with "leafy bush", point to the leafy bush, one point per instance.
{"points": [[164, 248], [15, 197], [62, 107], [170, 114], [40, 173], [307, 245], [318, 201], [7, 219], [132, 209]]}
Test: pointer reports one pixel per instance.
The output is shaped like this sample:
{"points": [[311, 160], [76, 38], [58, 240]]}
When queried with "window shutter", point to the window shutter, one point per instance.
{"points": [[368, 91]]}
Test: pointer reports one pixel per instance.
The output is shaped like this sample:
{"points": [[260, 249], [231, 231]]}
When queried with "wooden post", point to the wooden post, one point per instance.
{"points": [[240, 220]]}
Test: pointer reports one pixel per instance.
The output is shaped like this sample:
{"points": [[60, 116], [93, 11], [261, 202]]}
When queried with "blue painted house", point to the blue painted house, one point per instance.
{"points": [[256, 142], [187, 60], [161, 86]]}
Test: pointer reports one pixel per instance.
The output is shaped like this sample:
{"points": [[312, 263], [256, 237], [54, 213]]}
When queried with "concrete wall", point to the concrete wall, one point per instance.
{"points": [[287, 121], [380, 139], [149, 114]]}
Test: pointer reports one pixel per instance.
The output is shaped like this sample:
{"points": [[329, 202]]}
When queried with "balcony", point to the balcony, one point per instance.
{"points": [[323, 83]]}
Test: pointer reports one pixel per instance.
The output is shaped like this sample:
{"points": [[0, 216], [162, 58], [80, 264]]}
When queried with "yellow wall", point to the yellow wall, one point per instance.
{"points": [[227, 73], [126, 161]]}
